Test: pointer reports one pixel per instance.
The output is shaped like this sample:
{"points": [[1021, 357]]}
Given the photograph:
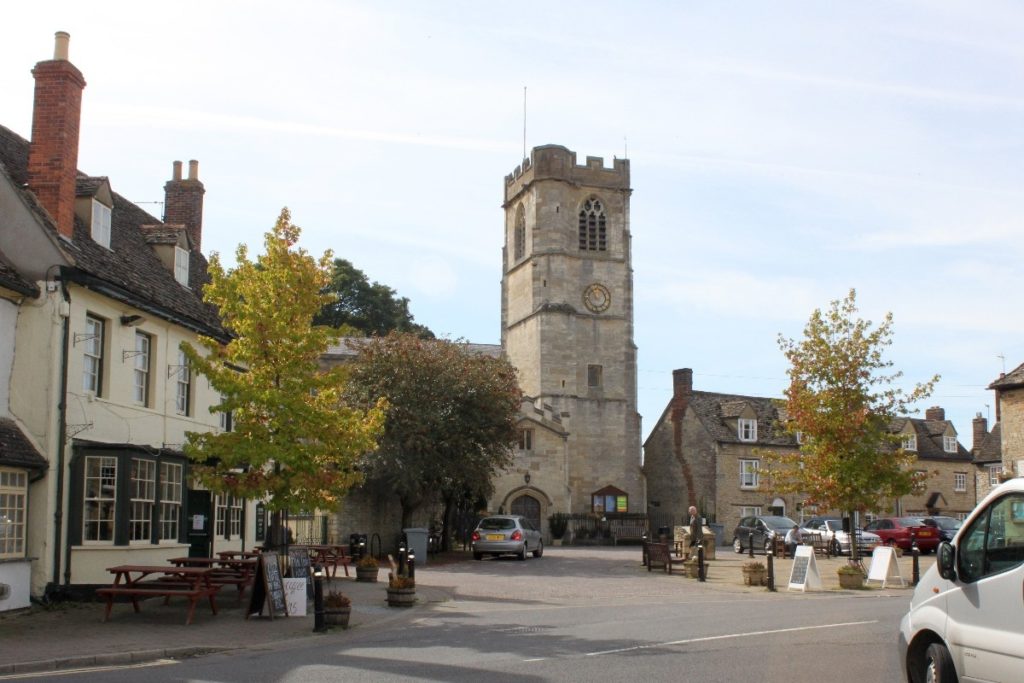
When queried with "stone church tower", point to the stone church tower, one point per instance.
{"points": [[567, 326]]}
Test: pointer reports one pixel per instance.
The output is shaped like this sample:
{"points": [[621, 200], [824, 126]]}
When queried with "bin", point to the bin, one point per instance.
{"points": [[416, 541]]}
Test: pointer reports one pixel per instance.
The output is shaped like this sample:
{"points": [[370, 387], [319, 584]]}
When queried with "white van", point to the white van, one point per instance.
{"points": [[966, 619]]}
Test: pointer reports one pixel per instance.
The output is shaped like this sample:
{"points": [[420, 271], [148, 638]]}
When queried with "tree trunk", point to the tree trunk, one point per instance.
{"points": [[854, 550]]}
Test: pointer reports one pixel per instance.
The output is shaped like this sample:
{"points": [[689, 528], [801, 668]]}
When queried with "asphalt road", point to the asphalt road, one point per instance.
{"points": [[555, 620]]}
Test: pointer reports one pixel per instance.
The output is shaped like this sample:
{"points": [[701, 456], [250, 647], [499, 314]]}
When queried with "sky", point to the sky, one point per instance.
{"points": [[781, 152]]}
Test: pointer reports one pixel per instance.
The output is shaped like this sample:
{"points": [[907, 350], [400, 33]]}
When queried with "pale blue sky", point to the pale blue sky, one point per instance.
{"points": [[782, 152]]}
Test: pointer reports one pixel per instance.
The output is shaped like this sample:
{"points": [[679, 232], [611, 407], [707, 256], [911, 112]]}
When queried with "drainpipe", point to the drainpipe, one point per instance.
{"points": [[58, 515]]}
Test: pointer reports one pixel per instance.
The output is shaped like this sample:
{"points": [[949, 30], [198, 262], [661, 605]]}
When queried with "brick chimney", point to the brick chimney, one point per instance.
{"points": [[980, 431], [682, 390], [935, 413], [183, 202], [56, 117]]}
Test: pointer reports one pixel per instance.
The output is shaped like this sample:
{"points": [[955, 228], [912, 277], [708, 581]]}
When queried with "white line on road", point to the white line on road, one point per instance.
{"points": [[729, 635], [86, 670]]}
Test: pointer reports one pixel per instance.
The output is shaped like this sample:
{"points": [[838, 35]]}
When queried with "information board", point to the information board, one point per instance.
{"points": [[804, 574], [885, 567], [267, 588], [298, 568], [295, 597]]}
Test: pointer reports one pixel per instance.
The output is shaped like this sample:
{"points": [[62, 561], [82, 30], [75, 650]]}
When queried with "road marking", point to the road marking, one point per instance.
{"points": [[86, 669], [729, 635]]}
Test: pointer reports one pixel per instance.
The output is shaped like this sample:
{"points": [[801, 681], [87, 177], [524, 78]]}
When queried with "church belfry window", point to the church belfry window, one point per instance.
{"points": [[519, 237], [593, 230]]}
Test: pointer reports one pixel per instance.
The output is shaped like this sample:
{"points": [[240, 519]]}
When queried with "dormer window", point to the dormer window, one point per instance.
{"points": [[910, 442], [949, 444], [747, 430], [181, 266], [101, 224]]}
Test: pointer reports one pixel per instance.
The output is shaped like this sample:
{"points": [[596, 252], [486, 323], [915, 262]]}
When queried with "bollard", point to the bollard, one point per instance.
{"points": [[401, 556], [751, 539], [700, 563], [411, 564], [643, 551], [916, 572], [771, 570], [318, 599]]}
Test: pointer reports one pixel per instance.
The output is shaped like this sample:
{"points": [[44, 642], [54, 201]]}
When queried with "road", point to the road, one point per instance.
{"points": [[563, 619]]}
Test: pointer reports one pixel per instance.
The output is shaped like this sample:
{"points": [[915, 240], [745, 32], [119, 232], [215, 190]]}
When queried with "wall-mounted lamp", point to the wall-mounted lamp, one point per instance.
{"points": [[526, 477], [132, 320]]}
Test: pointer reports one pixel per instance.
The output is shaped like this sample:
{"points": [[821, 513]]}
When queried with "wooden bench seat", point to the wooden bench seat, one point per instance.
{"points": [[627, 530], [158, 589], [658, 555]]}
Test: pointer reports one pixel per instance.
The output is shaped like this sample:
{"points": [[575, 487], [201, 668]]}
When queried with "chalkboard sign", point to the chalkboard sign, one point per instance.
{"points": [[804, 573], [884, 567], [298, 568], [267, 587]]}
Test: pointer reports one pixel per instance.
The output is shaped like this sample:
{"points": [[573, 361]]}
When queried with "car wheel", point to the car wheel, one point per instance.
{"points": [[540, 550], [478, 556], [737, 545], [837, 549], [522, 554], [938, 665]]}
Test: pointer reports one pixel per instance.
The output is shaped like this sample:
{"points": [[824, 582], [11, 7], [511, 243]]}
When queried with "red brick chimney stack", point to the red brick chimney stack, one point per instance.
{"points": [[682, 390], [980, 431], [56, 118], [183, 202], [935, 413]]}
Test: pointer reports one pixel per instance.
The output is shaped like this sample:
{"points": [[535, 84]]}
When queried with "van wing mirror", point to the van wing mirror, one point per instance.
{"points": [[946, 561]]}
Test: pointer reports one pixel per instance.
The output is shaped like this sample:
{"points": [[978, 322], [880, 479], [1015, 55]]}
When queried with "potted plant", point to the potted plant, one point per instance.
{"points": [[850, 576], [754, 573], [692, 567], [366, 569], [337, 609], [401, 591], [559, 524]]}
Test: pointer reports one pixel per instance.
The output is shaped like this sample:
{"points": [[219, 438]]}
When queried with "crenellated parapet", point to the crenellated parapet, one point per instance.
{"points": [[555, 162]]}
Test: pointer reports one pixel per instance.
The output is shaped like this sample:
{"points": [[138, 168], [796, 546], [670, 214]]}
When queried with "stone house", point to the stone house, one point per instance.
{"points": [[97, 385], [999, 454], [987, 450]]}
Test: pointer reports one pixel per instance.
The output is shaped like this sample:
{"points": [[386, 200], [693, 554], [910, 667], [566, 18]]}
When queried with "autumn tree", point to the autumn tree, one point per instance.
{"points": [[358, 307], [294, 442], [451, 418], [843, 399]]}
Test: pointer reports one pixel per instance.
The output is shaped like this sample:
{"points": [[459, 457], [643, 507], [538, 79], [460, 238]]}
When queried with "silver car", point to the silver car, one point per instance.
{"points": [[506, 535], [831, 531]]}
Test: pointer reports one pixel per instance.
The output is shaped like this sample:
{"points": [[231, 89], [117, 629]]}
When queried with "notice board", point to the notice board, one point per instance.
{"points": [[268, 588], [804, 574]]}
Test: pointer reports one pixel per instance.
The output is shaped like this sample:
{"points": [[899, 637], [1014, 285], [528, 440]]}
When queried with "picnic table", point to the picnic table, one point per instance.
{"points": [[133, 581], [238, 572], [239, 554], [330, 556]]}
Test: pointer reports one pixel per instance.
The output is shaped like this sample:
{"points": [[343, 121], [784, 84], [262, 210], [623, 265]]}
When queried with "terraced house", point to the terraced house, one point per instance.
{"points": [[97, 396]]}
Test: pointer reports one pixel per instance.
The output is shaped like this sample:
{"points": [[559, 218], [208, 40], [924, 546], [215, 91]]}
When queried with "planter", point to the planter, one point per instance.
{"points": [[366, 574], [754, 577], [692, 569], [337, 616], [851, 580], [555, 542], [401, 597]]}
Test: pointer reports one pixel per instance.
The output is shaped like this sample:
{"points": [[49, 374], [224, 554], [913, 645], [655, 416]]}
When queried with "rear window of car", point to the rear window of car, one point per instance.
{"points": [[910, 521], [492, 524]]}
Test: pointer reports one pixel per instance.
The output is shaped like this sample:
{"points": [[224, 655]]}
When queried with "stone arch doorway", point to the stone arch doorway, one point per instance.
{"points": [[528, 507]]}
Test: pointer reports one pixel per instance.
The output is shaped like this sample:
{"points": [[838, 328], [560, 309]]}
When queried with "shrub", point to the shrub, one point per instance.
{"points": [[337, 599], [400, 581], [559, 524], [368, 562]]}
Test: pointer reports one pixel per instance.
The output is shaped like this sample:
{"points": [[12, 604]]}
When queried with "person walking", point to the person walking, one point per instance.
{"points": [[696, 529]]}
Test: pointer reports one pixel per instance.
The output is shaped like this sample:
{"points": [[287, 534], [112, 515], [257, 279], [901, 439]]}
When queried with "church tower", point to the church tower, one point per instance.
{"points": [[567, 326]]}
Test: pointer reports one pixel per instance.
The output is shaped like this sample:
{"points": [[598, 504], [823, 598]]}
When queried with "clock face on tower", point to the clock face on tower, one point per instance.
{"points": [[597, 298]]}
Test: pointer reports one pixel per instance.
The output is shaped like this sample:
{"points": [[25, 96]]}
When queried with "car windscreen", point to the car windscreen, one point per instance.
{"points": [[497, 523], [784, 523], [910, 521]]}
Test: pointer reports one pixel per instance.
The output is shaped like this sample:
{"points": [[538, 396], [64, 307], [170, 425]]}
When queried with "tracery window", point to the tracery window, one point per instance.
{"points": [[593, 228]]}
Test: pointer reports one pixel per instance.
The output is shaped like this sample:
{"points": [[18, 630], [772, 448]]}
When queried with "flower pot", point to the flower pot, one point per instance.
{"points": [[754, 577], [851, 580], [401, 597], [366, 574], [337, 616], [692, 569]]}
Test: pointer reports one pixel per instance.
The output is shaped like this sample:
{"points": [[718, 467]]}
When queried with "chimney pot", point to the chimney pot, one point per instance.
{"points": [[935, 413], [60, 45], [193, 170], [682, 382], [183, 202], [177, 171]]}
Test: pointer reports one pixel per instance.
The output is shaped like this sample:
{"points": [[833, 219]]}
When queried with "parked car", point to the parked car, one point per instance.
{"points": [[831, 531], [901, 532], [964, 621], [504, 535], [947, 526], [760, 530]]}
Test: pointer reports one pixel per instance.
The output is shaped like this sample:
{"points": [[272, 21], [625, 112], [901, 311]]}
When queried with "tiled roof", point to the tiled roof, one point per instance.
{"points": [[1012, 380], [86, 186], [713, 409], [991, 448], [130, 271], [929, 439], [16, 450], [162, 234], [12, 279]]}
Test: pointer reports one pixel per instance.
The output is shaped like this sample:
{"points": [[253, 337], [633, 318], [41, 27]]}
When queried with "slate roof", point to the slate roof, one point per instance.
{"points": [[16, 450], [12, 279], [130, 271], [991, 448], [1012, 380], [929, 439], [713, 409]]}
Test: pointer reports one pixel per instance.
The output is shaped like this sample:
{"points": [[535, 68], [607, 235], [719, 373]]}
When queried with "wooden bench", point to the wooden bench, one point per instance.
{"points": [[154, 590], [627, 530], [330, 557], [658, 554]]}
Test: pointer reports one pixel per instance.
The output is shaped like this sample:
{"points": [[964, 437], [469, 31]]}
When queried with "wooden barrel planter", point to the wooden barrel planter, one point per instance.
{"points": [[366, 574], [337, 616], [401, 597]]}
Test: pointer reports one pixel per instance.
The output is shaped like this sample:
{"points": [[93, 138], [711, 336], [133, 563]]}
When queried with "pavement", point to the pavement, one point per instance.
{"points": [[73, 635]]}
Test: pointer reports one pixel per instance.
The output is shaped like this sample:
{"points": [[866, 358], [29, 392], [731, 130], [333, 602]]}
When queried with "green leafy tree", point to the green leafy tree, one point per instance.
{"points": [[294, 441], [843, 398], [358, 307], [451, 418]]}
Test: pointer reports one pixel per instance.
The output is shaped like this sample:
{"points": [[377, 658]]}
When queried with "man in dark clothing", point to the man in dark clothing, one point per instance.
{"points": [[696, 529]]}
